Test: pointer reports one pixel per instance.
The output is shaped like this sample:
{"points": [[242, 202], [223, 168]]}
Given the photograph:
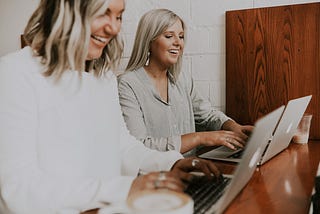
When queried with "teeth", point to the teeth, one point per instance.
{"points": [[100, 39], [174, 51]]}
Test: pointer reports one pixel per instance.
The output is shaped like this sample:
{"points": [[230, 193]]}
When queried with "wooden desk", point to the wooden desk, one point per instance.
{"points": [[282, 185]]}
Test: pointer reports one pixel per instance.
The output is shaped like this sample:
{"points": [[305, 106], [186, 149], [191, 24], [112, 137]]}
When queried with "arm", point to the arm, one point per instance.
{"points": [[208, 121], [137, 157], [207, 118]]}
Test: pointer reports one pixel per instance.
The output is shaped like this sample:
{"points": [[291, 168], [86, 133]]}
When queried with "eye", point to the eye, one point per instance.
{"points": [[119, 17], [102, 15], [168, 36], [181, 36]]}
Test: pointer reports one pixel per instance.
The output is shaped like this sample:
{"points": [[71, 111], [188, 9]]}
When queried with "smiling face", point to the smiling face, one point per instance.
{"points": [[166, 49], [104, 28]]}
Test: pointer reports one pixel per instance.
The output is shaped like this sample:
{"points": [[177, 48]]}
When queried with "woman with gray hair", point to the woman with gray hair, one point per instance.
{"points": [[160, 104], [63, 142]]}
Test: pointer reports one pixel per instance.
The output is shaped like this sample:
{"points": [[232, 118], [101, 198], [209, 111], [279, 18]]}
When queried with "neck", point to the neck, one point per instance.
{"points": [[155, 72], [159, 79]]}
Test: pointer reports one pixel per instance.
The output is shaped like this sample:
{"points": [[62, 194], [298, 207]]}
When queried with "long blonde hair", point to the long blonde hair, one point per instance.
{"points": [[59, 32], [151, 25]]}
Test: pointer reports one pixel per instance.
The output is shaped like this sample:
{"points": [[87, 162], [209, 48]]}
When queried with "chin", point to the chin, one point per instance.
{"points": [[173, 62], [94, 54]]}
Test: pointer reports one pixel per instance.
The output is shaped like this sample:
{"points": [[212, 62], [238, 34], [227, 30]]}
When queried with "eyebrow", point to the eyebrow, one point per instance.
{"points": [[173, 32], [121, 11]]}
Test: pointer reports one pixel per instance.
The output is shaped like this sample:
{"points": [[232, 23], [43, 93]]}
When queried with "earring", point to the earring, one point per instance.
{"points": [[147, 62]]}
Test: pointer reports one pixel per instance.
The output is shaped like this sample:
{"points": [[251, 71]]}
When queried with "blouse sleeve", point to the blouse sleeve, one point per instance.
{"points": [[136, 157], [133, 117], [206, 117]]}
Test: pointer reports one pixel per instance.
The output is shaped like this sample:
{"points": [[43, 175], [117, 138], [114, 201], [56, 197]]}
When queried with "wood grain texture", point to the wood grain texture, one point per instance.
{"points": [[283, 184], [272, 56]]}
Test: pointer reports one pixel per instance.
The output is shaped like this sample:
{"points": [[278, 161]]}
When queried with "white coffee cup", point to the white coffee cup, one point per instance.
{"points": [[160, 201]]}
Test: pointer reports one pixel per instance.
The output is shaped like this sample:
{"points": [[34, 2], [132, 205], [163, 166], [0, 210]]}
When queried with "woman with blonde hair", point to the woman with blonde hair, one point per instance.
{"points": [[160, 104], [64, 146]]}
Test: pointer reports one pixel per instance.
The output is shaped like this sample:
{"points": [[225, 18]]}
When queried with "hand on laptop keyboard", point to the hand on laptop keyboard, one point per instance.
{"points": [[200, 176], [205, 191], [194, 164], [242, 131], [228, 139]]}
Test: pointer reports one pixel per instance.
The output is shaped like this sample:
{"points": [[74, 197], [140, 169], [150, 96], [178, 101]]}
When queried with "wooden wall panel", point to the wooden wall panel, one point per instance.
{"points": [[272, 56]]}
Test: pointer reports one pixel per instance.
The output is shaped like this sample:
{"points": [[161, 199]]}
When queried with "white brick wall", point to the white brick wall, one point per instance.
{"points": [[205, 48]]}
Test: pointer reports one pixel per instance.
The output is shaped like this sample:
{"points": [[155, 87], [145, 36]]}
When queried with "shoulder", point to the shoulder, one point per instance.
{"points": [[133, 82], [132, 78], [185, 79], [19, 63], [20, 75], [185, 76], [17, 58], [126, 76]]}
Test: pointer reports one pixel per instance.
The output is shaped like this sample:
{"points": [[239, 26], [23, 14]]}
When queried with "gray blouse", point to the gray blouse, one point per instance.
{"points": [[159, 124]]}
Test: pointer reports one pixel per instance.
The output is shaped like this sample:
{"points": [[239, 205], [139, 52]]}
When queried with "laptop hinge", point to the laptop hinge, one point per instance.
{"points": [[265, 150]]}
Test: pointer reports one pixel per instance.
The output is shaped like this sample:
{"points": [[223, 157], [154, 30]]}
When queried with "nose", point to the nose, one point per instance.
{"points": [[178, 41], [112, 26]]}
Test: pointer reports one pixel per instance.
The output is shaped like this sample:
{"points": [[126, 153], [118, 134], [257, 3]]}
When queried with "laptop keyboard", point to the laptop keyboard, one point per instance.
{"points": [[205, 192]]}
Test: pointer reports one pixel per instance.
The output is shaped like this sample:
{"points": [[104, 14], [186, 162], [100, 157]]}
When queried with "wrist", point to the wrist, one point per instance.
{"points": [[198, 138], [190, 141], [228, 125], [174, 165]]}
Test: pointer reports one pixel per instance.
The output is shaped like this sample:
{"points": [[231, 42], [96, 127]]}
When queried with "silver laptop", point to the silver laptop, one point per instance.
{"points": [[281, 137], [286, 128], [255, 146]]}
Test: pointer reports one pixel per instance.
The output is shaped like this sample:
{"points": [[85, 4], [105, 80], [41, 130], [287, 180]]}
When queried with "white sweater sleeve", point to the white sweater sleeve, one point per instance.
{"points": [[137, 157]]}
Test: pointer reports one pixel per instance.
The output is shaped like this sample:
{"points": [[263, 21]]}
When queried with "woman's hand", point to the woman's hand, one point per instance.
{"points": [[194, 164], [172, 180], [243, 131], [211, 138], [221, 138], [177, 178]]}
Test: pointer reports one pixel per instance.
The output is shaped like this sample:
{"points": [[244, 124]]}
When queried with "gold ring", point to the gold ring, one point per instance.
{"points": [[194, 162]]}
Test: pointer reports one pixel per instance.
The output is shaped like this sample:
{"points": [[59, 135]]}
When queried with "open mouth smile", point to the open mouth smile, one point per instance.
{"points": [[100, 39]]}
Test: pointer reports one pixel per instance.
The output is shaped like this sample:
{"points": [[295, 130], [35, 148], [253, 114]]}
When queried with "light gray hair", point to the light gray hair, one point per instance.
{"points": [[151, 25], [59, 32]]}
